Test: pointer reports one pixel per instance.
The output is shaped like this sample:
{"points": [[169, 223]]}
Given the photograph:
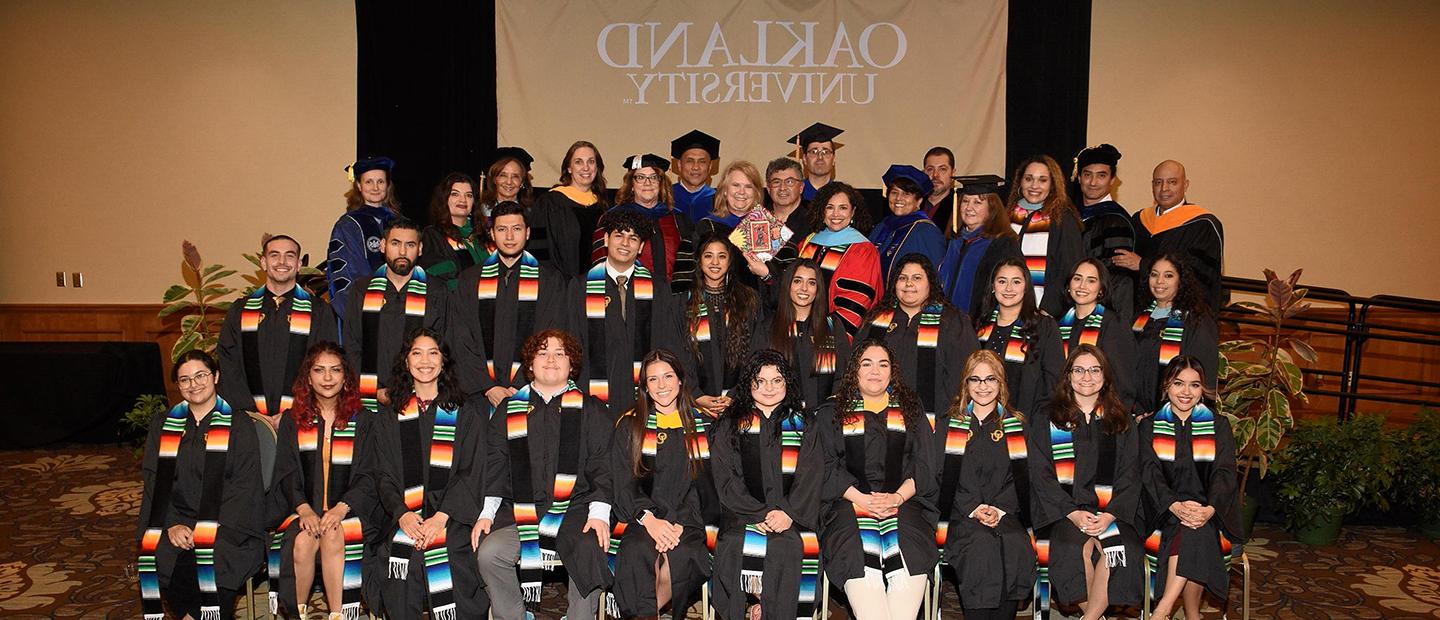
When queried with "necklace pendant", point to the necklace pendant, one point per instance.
{"points": [[661, 436]]}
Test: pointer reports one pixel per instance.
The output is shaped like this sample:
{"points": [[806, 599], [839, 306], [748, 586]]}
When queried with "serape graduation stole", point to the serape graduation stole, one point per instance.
{"points": [[537, 536], [527, 294], [1170, 336], [1089, 327], [957, 435], [824, 352], [596, 302], [1032, 222], [207, 526], [250, 318], [441, 459], [879, 538], [1202, 454], [756, 542], [927, 340], [700, 323], [373, 302], [342, 452], [1062, 455], [1014, 347]]}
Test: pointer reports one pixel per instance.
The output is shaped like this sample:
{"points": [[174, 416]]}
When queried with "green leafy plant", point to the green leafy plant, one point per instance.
{"points": [[200, 300], [1329, 469], [1417, 477], [137, 421], [1256, 392]]}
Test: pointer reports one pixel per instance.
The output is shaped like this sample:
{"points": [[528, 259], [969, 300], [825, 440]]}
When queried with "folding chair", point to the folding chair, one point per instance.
{"points": [[1244, 560]]}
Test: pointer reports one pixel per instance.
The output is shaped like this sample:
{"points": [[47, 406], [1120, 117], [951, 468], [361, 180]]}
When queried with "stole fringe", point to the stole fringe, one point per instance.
{"points": [[1115, 557], [750, 582], [399, 568], [209, 613], [444, 613], [531, 593]]}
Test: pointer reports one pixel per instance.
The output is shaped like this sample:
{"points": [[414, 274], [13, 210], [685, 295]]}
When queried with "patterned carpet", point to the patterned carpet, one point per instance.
{"points": [[69, 522]]}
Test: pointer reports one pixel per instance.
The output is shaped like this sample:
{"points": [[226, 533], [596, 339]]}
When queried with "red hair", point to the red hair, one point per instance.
{"points": [[347, 403]]}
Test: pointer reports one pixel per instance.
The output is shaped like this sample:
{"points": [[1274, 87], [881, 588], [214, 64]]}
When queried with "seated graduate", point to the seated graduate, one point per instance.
{"points": [[849, 261], [455, 237], [1085, 472], [985, 238], [659, 463], [547, 485], [318, 482], [1026, 339], [930, 338], [720, 318], [768, 471], [201, 532], [907, 230], [985, 462], [424, 465], [878, 526], [1174, 320], [810, 338], [1090, 320], [1188, 453]]}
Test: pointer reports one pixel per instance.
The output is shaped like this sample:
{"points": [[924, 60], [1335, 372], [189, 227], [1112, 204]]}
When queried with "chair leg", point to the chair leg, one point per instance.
{"points": [[824, 597], [250, 599], [1145, 587], [706, 612], [1245, 597]]}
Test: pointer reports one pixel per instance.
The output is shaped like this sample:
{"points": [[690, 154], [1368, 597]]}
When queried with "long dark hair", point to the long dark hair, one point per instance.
{"points": [[818, 320], [1065, 413], [890, 301], [490, 194], [684, 403], [1189, 299], [1184, 362], [1101, 272], [347, 403], [847, 395], [740, 304], [860, 216], [737, 415], [1028, 309], [440, 210], [403, 385]]}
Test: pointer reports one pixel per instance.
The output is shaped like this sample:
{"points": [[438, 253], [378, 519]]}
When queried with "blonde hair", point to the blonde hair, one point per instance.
{"points": [[721, 208], [1002, 397]]}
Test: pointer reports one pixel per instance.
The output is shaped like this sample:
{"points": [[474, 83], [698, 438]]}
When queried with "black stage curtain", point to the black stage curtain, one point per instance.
{"points": [[427, 87], [61, 392]]}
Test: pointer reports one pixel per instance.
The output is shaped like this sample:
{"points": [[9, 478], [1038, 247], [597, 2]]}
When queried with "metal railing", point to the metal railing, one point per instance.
{"points": [[1358, 329]]}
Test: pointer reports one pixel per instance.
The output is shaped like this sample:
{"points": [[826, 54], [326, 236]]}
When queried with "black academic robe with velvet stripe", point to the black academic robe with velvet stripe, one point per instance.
{"points": [[273, 338], [956, 343], [1108, 229], [391, 325], [1201, 241], [467, 329], [560, 232]]}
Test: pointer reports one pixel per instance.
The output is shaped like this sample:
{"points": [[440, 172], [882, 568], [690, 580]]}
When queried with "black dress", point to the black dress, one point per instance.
{"points": [[1033, 376], [933, 372], [1201, 339], [992, 565]]}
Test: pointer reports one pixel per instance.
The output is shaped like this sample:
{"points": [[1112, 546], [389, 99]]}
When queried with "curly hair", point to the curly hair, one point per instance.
{"points": [[684, 403], [848, 397], [860, 216], [403, 383], [1028, 308], [539, 339], [737, 415], [1065, 413], [741, 302], [1057, 204], [1189, 298], [620, 220], [306, 407], [1002, 396], [891, 301]]}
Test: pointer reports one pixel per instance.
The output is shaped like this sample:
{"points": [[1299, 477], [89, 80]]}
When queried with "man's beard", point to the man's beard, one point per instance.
{"points": [[400, 266]]}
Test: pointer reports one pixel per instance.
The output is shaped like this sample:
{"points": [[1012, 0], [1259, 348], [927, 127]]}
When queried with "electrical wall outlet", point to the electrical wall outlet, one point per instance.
{"points": [[77, 279], [60, 279]]}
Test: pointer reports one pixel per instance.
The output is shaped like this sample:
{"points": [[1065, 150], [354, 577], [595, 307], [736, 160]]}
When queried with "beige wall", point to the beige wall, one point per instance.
{"points": [[1311, 128], [127, 127]]}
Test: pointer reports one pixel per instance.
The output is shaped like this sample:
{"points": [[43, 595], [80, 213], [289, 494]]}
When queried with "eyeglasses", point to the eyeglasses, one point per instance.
{"points": [[198, 378], [778, 183], [988, 381], [645, 179], [820, 152], [1083, 371]]}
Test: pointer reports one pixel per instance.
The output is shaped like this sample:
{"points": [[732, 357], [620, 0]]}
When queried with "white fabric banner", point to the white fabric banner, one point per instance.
{"points": [[898, 77]]}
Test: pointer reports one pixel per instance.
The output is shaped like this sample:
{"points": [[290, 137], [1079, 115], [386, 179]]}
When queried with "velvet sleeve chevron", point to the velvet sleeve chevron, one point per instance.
{"points": [[857, 285]]}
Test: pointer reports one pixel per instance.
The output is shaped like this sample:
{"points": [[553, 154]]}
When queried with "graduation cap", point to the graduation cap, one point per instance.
{"points": [[897, 172], [980, 184], [1102, 154], [518, 154], [648, 160], [696, 139], [819, 132], [370, 163]]}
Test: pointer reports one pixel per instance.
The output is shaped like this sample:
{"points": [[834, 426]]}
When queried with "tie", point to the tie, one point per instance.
{"points": [[620, 289]]}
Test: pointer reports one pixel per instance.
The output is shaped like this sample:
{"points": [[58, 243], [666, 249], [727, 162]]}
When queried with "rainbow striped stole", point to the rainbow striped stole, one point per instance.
{"points": [[879, 538], [1014, 347], [596, 301], [342, 449], [207, 528], [957, 436], [371, 304], [701, 324], [1089, 327], [755, 543], [824, 352], [537, 535], [827, 256], [1202, 434], [1027, 222], [437, 556], [1155, 542], [1170, 336], [527, 292], [299, 322]]}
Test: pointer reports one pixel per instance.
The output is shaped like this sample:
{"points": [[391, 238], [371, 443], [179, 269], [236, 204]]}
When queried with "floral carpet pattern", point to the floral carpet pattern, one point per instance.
{"points": [[68, 518]]}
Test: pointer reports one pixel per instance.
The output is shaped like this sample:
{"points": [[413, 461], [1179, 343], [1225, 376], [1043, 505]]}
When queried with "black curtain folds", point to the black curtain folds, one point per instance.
{"points": [[426, 80]]}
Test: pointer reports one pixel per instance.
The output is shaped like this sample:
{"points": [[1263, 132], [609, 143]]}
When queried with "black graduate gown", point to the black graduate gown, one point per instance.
{"points": [[992, 565], [560, 232], [1108, 230], [624, 340], [272, 359], [815, 386], [1063, 248], [385, 465], [1117, 342], [1201, 339], [299, 479], [934, 374], [494, 331], [1032, 381], [584, 560], [1211, 484], [444, 257], [392, 326], [841, 551], [716, 376], [800, 500], [1052, 504], [671, 494], [1201, 241]]}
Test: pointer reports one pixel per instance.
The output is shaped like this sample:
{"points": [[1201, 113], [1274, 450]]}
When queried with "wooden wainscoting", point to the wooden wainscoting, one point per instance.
{"points": [[92, 323]]}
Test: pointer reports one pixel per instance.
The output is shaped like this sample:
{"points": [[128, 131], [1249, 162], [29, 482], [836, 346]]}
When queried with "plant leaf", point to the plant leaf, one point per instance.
{"points": [[219, 275], [176, 292], [189, 322], [1241, 345], [1279, 407], [185, 343], [1304, 350], [190, 276], [253, 258], [1268, 432], [1244, 429], [1250, 305], [1294, 381], [175, 307]]}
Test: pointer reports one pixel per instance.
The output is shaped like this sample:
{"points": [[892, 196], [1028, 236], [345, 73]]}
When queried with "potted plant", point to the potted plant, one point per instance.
{"points": [[1417, 476], [1260, 379], [1329, 469], [201, 302]]}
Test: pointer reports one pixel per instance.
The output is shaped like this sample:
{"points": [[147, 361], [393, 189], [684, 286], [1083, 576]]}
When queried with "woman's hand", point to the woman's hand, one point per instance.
{"points": [[410, 524], [665, 534], [987, 515], [333, 517], [778, 521], [181, 536], [1083, 521], [713, 405], [309, 521], [431, 528], [757, 266], [498, 393], [482, 526]]}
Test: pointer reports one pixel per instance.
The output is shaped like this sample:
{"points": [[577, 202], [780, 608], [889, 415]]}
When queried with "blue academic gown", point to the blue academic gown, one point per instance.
{"points": [[914, 233], [695, 205], [355, 252]]}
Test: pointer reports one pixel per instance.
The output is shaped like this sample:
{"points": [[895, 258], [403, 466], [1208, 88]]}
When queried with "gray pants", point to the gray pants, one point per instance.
{"points": [[499, 555]]}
